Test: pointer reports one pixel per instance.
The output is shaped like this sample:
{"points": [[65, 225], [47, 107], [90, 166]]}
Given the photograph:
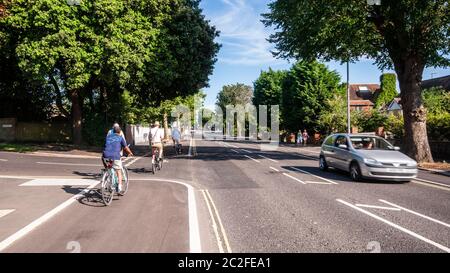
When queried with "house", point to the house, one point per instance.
{"points": [[363, 96], [394, 108], [442, 82]]}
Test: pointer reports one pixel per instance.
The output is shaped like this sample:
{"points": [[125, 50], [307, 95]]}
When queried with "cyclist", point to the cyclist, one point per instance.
{"points": [[156, 137], [176, 137], [115, 142]]}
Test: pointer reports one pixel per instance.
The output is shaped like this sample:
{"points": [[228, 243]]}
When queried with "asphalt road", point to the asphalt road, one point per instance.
{"points": [[218, 197]]}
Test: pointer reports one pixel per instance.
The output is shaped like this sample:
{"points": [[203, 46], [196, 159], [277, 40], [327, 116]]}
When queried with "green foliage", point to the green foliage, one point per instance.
{"points": [[438, 126], [369, 121], [235, 94], [436, 100], [267, 88], [342, 31], [333, 118], [306, 87], [395, 125], [388, 89]]}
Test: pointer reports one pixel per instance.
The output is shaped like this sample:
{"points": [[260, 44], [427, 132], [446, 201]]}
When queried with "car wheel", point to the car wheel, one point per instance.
{"points": [[355, 172], [323, 163]]}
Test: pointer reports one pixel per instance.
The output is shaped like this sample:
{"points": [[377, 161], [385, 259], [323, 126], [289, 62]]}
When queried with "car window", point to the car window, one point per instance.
{"points": [[340, 140], [370, 143], [329, 141]]}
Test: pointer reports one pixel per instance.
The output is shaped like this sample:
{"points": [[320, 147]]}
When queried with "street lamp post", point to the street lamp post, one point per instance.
{"points": [[349, 129]]}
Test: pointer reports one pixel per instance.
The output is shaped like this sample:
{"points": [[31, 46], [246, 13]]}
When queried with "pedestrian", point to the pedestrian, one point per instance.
{"points": [[299, 137], [305, 137]]}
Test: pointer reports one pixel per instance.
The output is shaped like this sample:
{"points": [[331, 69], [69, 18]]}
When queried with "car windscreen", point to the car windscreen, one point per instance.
{"points": [[370, 143]]}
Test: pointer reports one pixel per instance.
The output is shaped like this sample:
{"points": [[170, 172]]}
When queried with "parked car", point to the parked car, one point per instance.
{"points": [[366, 156]]}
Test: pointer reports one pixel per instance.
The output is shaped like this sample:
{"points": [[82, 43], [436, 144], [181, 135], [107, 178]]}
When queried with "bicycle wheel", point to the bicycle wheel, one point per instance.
{"points": [[125, 181], [107, 188], [160, 163]]}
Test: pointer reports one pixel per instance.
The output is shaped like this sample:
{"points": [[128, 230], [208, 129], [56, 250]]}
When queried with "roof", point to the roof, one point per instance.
{"points": [[443, 82], [364, 91]]}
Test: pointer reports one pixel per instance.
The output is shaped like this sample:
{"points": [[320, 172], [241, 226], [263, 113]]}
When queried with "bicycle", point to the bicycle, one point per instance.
{"points": [[156, 161], [110, 182]]}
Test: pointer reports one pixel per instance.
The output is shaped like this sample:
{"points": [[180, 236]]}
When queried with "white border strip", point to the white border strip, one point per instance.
{"points": [[296, 179], [324, 179], [420, 237], [222, 229], [273, 160], [252, 159]]}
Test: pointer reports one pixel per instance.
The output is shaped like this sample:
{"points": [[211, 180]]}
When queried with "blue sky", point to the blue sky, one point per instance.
{"points": [[245, 51]]}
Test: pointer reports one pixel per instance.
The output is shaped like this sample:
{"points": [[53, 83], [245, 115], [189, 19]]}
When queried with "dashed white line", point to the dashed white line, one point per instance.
{"points": [[296, 179], [273, 160], [3, 160], [252, 159], [376, 207], [418, 236], [324, 179], [4, 212], [275, 169], [235, 151], [247, 151], [415, 213]]}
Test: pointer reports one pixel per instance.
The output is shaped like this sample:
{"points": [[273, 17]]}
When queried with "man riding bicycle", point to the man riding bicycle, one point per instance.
{"points": [[156, 137], [114, 144]]}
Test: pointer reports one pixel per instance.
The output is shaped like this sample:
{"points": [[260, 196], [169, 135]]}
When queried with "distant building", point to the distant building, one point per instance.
{"points": [[394, 107], [442, 82], [363, 96]]}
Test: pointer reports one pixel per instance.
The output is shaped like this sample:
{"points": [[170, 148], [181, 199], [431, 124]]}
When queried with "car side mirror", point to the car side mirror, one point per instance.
{"points": [[396, 148], [342, 146]]}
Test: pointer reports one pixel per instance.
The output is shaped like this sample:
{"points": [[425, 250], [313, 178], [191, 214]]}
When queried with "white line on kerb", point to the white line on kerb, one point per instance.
{"points": [[69, 164], [415, 213], [376, 207], [27, 229], [325, 179], [420, 237], [275, 169], [225, 238], [252, 158], [296, 179], [273, 160], [214, 224]]}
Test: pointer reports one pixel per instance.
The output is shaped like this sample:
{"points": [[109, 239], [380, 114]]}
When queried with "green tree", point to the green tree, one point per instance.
{"points": [[268, 87], [234, 94], [305, 89], [407, 35], [333, 118], [388, 89]]}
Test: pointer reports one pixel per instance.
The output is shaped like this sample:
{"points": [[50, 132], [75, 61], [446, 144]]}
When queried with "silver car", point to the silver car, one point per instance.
{"points": [[366, 156]]}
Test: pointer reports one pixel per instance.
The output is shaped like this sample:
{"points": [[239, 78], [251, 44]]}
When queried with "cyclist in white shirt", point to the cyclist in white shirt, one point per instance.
{"points": [[156, 137]]}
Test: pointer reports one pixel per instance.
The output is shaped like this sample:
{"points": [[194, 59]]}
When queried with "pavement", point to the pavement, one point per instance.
{"points": [[219, 196]]}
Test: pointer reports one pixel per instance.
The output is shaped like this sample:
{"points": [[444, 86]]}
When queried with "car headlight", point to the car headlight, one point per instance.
{"points": [[372, 162]]}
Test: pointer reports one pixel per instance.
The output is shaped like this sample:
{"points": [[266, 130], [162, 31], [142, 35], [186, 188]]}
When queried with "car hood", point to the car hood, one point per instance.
{"points": [[385, 156]]}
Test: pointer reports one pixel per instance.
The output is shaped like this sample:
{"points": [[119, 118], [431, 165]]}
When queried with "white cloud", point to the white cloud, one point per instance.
{"points": [[243, 35]]}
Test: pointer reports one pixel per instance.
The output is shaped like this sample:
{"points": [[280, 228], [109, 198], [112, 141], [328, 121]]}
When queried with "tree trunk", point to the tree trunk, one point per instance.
{"points": [[59, 103], [415, 115], [77, 104], [166, 126]]}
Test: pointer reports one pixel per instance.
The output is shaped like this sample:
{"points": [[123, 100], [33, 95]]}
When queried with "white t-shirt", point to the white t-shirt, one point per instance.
{"points": [[176, 134], [157, 135]]}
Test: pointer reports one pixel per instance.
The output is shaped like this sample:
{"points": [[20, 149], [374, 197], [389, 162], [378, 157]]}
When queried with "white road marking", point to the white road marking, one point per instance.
{"points": [[69, 164], [136, 159], [225, 238], [296, 179], [275, 169], [325, 179], [315, 182], [273, 160], [376, 207], [190, 147], [59, 182], [415, 213], [27, 229], [247, 151], [4, 212], [214, 224], [432, 182], [235, 151], [252, 159], [420, 237], [3, 160], [431, 185]]}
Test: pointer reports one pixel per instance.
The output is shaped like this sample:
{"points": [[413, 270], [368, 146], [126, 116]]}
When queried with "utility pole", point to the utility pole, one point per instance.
{"points": [[349, 129]]}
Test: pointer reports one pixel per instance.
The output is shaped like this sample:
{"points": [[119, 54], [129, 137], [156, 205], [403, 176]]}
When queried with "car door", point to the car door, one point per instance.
{"points": [[328, 150], [341, 155]]}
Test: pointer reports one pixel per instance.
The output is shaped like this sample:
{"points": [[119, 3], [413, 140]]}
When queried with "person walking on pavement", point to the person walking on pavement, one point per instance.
{"points": [[305, 137], [299, 137]]}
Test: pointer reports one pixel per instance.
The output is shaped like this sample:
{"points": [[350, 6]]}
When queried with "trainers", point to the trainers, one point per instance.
{"points": [[119, 188]]}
